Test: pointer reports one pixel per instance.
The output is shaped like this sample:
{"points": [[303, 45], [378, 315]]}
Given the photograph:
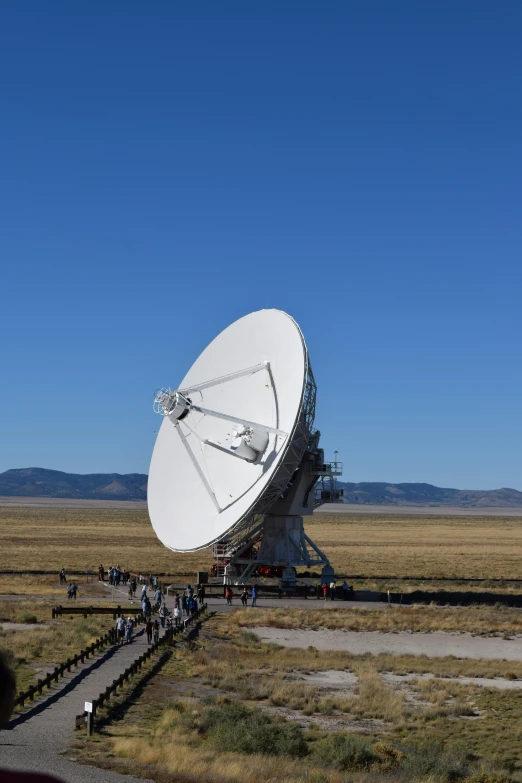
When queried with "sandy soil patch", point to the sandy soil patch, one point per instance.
{"points": [[484, 682], [22, 626], [330, 679], [433, 645], [329, 722]]}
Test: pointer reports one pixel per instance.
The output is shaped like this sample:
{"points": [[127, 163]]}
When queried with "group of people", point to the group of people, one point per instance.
{"points": [[329, 590], [244, 595], [72, 590], [124, 628], [151, 581], [184, 604], [117, 575], [146, 605], [187, 603]]}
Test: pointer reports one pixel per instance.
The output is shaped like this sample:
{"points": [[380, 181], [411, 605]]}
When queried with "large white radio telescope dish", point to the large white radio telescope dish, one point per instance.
{"points": [[233, 434]]}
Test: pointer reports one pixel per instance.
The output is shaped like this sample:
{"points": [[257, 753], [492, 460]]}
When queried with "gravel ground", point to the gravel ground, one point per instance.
{"points": [[434, 645]]}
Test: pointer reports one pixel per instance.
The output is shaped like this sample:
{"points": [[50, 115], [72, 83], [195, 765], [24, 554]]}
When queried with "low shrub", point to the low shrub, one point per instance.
{"points": [[235, 728], [28, 618], [345, 752], [389, 756], [431, 759]]}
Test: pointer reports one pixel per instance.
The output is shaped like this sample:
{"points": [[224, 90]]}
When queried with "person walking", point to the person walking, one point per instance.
{"points": [[201, 594], [177, 616], [254, 595], [332, 590], [63, 577], [244, 596], [120, 628], [101, 573], [228, 595], [149, 627], [158, 596], [156, 631], [143, 592], [325, 591], [128, 630], [164, 613], [346, 590]]}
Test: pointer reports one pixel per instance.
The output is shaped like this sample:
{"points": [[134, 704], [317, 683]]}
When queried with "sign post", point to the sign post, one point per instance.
{"points": [[90, 709]]}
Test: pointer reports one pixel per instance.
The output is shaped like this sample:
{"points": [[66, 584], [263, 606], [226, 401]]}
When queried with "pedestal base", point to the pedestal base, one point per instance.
{"points": [[282, 543]]}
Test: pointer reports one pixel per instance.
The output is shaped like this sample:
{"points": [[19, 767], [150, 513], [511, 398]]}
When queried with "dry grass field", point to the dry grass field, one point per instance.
{"points": [[481, 620], [456, 547], [52, 538], [374, 546]]}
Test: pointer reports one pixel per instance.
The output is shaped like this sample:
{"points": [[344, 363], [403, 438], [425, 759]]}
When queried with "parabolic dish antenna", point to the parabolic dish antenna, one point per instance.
{"points": [[233, 438]]}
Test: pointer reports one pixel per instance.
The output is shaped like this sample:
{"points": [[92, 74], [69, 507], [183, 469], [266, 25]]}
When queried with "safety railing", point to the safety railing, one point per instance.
{"points": [[115, 611], [52, 677]]}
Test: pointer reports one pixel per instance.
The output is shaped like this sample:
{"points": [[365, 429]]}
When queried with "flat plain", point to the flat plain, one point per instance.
{"points": [[377, 546]]}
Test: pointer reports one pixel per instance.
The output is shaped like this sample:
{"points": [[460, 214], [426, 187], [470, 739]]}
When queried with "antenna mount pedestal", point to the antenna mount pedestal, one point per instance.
{"points": [[280, 544]]}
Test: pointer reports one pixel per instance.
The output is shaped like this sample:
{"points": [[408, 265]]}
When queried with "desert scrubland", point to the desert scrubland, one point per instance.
{"points": [[229, 708]]}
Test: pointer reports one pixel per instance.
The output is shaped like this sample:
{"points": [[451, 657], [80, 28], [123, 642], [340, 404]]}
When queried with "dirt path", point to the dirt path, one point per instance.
{"points": [[434, 645]]}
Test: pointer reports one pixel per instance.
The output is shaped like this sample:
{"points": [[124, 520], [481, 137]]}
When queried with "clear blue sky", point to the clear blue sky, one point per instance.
{"points": [[167, 167]]}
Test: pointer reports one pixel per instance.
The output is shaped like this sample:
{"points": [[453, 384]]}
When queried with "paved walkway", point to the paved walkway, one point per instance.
{"points": [[37, 737], [219, 604], [117, 594]]}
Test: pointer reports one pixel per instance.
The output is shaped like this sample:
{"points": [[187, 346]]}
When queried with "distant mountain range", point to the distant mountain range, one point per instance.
{"points": [[382, 494], [39, 482]]}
